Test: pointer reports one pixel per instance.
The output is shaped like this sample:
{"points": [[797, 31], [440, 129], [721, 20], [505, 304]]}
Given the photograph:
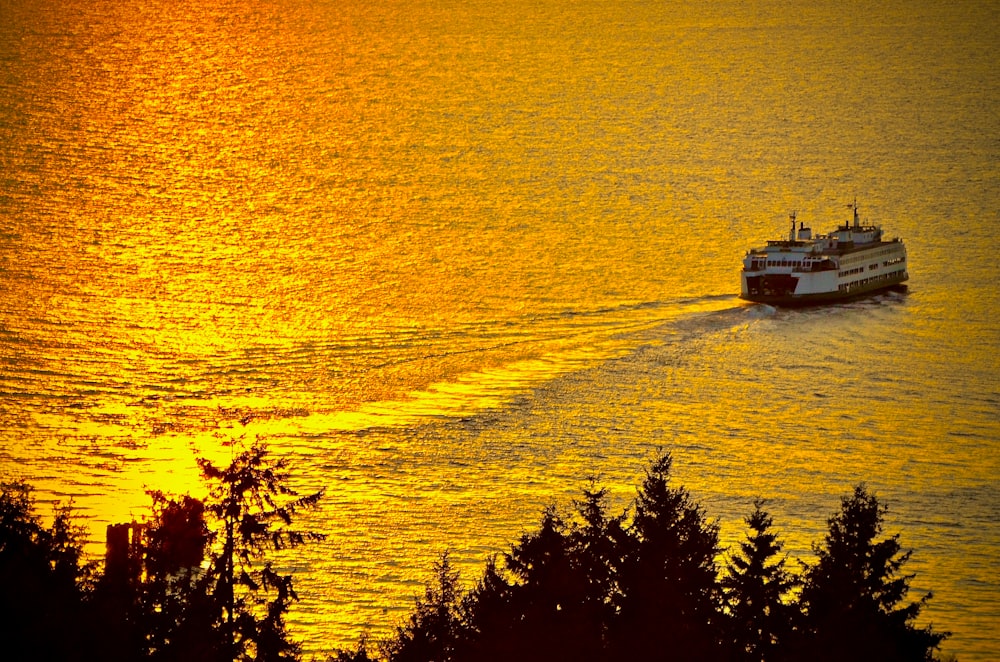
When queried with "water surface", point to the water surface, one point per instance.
{"points": [[453, 258]]}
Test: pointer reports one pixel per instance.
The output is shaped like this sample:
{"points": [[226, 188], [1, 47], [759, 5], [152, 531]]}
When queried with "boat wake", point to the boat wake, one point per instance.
{"points": [[399, 377], [512, 364]]}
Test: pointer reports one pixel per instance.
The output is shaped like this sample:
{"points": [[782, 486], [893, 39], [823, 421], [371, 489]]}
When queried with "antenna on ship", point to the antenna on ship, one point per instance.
{"points": [[791, 233], [854, 206]]}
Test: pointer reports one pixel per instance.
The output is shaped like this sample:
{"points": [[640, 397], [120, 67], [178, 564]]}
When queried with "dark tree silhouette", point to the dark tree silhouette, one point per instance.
{"points": [[359, 654], [565, 600], [231, 608], [43, 582], [488, 618], [254, 506], [435, 627], [178, 614], [670, 607], [198, 585], [757, 587], [852, 594], [544, 591], [554, 598], [597, 545]]}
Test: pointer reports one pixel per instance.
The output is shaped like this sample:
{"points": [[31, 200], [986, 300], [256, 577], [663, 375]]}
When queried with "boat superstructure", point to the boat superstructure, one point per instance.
{"points": [[852, 260]]}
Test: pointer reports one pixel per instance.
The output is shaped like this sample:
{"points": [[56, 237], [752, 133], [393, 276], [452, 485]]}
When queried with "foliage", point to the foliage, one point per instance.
{"points": [[177, 614], [43, 581], [756, 589], [254, 507], [359, 654], [592, 587], [856, 587], [198, 585], [564, 587], [434, 628], [203, 588], [670, 604], [487, 617]]}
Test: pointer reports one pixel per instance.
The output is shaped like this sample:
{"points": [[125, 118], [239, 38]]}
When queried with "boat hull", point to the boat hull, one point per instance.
{"points": [[820, 298]]}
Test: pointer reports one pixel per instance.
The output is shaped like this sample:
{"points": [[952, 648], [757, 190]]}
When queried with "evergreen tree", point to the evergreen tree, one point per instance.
{"points": [[587, 588], [558, 602], [178, 606], [488, 618], [756, 586], [543, 593], [670, 603], [43, 582], [435, 627], [254, 506], [180, 617], [852, 594], [359, 654], [597, 545]]}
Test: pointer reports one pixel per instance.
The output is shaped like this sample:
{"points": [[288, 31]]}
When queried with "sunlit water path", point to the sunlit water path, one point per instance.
{"points": [[454, 258]]}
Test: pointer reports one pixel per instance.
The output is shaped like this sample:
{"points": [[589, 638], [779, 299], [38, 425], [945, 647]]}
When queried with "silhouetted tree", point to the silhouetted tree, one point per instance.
{"points": [[544, 590], [566, 582], [852, 594], [757, 588], [489, 619], [555, 600], [43, 582], [359, 654], [231, 607], [179, 615], [586, 588], [435, 627], [597, 544], [254, 506], [670, 604]]}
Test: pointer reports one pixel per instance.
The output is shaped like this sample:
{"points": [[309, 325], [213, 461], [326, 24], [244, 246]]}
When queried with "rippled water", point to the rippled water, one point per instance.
{"points": [[452, 258]]}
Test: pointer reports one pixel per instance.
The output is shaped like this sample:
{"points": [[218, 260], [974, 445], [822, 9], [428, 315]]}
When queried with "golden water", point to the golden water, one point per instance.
{"points": [[451, 258]]}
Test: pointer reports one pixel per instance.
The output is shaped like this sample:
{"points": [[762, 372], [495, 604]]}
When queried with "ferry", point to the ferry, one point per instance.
{"points": [[851, 261]]}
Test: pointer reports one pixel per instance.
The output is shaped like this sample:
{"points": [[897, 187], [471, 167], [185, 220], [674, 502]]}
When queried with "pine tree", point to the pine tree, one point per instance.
{"points": [[553, 600], [176, 611], [488, 618], [544, 591], [254, 506], [670, 603], [435, 627], [596, 546], [556, 599], [852, 595], [359, 654], [44, 582], [756, 586]]}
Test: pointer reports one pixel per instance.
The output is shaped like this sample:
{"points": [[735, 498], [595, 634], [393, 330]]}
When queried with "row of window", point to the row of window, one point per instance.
{"points": [[872, 267], [868, 256], [798, 264], [847, 287]]}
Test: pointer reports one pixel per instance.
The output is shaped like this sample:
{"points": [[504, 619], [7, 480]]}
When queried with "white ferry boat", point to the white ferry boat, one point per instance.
{"points": [[851, 261]]}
